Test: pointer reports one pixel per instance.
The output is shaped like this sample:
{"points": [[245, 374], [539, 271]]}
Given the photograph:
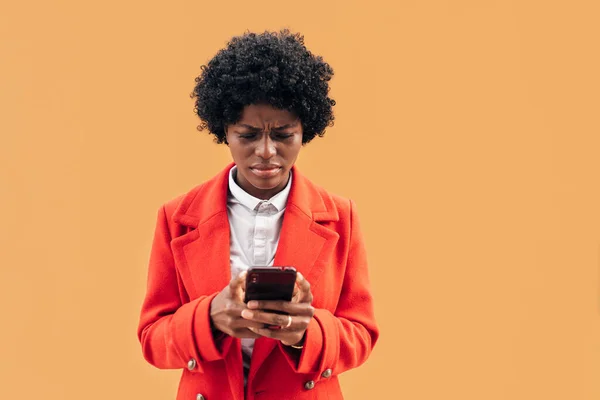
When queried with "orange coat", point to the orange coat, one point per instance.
{"points": [[189, 265]]}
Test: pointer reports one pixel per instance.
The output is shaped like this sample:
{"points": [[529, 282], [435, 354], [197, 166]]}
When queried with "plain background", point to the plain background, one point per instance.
{"points": [[467, 132]]}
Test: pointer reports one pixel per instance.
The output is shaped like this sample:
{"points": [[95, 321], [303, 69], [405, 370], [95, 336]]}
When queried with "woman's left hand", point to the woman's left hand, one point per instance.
{"points": [[293, 325]]}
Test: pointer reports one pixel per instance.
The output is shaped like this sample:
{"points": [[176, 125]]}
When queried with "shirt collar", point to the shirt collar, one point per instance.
{"points": [[246, 199]]}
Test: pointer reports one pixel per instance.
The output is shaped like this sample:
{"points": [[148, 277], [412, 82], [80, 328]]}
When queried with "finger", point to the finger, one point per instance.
{"points": [[241, 323], [302, 282], [234, 309], [242, 275], [283, 306], [266, 332], [285, 336], [305, 295], [266, 317], [279, 334], [245, 333], [297, 284], [236, 286]]}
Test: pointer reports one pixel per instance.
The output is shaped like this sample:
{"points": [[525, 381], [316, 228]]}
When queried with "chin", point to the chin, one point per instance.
{"points": [[266, 184]]}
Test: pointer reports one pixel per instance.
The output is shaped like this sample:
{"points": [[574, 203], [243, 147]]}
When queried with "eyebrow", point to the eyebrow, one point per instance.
{"points": [[254, 128]]}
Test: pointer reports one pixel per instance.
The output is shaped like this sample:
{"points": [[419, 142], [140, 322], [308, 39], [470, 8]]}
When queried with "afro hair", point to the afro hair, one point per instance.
{"points": [[272, 68]]}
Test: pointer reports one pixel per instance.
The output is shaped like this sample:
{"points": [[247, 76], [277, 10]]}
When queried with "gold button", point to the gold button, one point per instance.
{"points": [[191, 364], [309, 385], [200, 397], [327, 373]]}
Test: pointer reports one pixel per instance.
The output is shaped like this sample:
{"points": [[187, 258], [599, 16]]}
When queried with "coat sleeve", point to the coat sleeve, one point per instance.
{"points": [[344, 339], [171, 330]]}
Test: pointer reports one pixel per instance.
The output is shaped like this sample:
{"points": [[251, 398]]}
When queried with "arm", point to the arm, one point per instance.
{"points": [[344, 339], [173, 332]]}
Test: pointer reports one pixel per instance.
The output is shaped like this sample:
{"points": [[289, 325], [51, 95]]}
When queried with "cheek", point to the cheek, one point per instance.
{"points": [[294, 150], [240, 152]]}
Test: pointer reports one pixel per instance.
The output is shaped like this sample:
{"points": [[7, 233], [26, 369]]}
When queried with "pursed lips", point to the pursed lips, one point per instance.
{"points": [[263, 167], [265, 171]]}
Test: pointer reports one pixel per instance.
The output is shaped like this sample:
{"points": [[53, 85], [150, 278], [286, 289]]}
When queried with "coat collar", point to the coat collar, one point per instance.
{"points": [[310, 199]]}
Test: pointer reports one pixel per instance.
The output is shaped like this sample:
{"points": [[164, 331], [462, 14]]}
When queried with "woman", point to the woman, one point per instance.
{"points": [[264, 96]]}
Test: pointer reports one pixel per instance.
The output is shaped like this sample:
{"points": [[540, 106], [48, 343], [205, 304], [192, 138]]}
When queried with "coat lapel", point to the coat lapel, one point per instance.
{"points": [[203, 252], [301, 243], [304, 243], [204, 256]]}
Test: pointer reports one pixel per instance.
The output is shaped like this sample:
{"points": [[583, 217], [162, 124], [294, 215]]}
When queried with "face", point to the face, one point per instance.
{"points": [[264, 145]]}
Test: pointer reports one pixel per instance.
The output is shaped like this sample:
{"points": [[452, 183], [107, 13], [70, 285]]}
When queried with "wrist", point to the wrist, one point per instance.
{"points": [[300, 344], [215, 332]]}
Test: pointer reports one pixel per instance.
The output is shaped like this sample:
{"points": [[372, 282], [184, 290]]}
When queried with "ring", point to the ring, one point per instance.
{"points": [[289, 322]]}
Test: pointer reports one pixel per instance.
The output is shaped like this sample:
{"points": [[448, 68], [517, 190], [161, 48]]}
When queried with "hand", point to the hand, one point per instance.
{"points": [[300, 310], [226, 310]]}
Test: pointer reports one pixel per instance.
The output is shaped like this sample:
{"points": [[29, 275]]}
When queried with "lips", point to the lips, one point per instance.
{"points": [[265, 171], [265, 167]]}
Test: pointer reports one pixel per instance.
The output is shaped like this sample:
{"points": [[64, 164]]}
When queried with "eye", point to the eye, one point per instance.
{"points": [[248, 136], [283, 136]]}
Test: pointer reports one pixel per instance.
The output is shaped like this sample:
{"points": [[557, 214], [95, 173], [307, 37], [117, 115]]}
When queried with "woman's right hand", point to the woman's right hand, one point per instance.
{"points": [[226, 310]]}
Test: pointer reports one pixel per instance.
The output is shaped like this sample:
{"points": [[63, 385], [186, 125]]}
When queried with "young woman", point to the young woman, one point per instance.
{"points": [[264, 96]]}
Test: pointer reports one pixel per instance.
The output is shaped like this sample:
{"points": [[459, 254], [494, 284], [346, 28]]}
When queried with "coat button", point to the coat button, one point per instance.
{"points": [[309, 385], [327, 373], [200, 397], [191, 364]]}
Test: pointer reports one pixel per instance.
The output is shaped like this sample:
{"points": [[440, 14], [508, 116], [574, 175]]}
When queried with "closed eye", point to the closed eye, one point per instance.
{"points": [[283, 136], [275, 135]]}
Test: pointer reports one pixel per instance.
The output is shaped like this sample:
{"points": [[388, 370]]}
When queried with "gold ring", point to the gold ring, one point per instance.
{"points": [[289, 322]]}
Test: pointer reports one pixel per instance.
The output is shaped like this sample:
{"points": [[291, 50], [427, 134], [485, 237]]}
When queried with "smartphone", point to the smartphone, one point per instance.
{"points": [[270, 283]]}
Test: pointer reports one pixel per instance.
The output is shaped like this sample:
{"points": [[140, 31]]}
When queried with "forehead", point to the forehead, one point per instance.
{"points": [[265, 114]]}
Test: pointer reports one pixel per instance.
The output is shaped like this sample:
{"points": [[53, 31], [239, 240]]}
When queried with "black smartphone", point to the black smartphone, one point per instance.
{"points": [[270, 283]]}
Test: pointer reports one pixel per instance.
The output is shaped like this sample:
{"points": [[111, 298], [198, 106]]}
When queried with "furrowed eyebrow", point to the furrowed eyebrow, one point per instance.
{"points": [[278, 128], [252, 128], [285, 126]]}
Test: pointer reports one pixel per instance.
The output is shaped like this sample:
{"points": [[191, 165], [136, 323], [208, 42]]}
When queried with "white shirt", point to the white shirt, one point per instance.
{"points": [[254, 228]]}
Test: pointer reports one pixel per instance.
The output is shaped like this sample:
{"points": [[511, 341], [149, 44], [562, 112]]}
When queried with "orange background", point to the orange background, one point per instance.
{"points": [[467, 132]]}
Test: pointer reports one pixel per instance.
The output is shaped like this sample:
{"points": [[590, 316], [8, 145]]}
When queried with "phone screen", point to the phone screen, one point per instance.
{"points": [[270, 283]]}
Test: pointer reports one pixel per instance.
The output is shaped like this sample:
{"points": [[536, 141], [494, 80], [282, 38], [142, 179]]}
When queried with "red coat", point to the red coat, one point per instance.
{"points": [[189, 265]]}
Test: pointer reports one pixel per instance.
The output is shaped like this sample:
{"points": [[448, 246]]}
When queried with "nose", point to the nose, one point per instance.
{"points": [[265, 148]]}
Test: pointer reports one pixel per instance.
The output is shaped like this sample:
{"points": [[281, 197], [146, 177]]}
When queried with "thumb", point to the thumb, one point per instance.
{"points": [[238, 283]]}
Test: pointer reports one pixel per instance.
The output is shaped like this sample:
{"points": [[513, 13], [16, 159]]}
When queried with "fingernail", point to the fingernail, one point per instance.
{"points": [[247, 314], [253, 304]]}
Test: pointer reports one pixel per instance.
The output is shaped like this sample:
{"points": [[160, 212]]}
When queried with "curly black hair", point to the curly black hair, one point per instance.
{"points": [[272, 68]]}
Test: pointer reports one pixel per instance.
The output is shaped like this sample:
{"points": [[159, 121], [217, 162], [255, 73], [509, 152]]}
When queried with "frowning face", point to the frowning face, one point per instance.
{"points": [[264, 145]]}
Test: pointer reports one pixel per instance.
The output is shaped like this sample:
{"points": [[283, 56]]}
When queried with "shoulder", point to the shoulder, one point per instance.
{"points": [[200, 202], [341, 205], [175, 203]]}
